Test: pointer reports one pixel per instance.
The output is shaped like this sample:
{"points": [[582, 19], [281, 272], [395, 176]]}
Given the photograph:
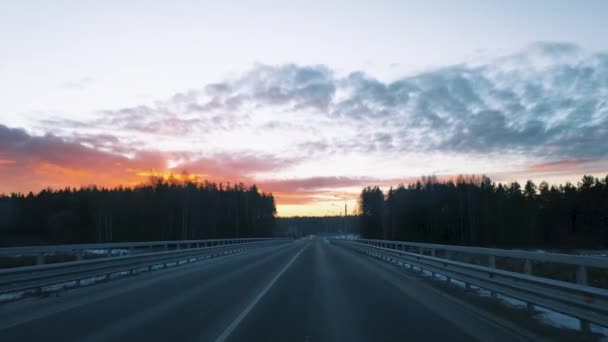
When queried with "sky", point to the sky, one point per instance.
{"points": [[309, 100]]}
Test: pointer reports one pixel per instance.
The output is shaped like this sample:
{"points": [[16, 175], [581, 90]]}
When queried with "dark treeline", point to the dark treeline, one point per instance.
{"points": [[305, 225], [474, 210], [160, 210]]}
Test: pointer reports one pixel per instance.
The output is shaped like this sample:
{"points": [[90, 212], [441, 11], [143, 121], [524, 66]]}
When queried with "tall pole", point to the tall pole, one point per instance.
{"points": [[344, 219]]}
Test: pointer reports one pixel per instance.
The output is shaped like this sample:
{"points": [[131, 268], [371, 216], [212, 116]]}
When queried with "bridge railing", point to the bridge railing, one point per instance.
{"points": [[559, 282], [80, 251], [41, 279]]}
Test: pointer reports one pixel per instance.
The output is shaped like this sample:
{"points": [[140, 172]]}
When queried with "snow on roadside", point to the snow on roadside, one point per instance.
{"points": [[595, 253], [6, 297], [560, 320], [556, 319], [600, 330], [583, 252], [543, 315], [511, 302], [481, 291], [116, 251], [458, 283]]}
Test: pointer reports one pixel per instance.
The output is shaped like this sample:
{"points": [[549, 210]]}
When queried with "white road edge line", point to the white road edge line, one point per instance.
{"points": [[230, 329]]}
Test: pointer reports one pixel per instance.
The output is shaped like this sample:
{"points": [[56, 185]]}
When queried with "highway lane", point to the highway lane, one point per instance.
{"points": [[327, 296], [308, 290]]}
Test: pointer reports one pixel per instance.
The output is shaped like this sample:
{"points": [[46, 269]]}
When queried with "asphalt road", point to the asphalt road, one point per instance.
{"points": [[308, 290]]}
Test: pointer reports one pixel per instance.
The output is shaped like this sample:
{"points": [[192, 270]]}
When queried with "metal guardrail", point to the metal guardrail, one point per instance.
{"points": [[37, 280], [79, 250], [577, 299]]}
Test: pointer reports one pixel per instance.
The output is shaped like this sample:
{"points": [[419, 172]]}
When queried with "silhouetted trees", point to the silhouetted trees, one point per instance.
{"points": [[372, 210], [474, 210], [161, 210]]}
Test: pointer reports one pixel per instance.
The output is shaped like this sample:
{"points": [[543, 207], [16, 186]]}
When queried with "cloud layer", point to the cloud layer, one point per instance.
{"points": [[31, 163], [550, 101]]}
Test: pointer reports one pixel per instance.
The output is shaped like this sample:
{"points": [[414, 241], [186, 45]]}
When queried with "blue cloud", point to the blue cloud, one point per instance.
{"points": [[549, 100]]}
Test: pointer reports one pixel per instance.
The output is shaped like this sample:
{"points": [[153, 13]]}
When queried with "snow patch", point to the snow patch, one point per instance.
{"points": [[60, 286], [140, 270], [5, 297], [119, 274], [88, 281], [600, 330], [556, 319], [440, 277], [113, 252], [595, 253], [481, 291], [458, 283], [511, 302]]}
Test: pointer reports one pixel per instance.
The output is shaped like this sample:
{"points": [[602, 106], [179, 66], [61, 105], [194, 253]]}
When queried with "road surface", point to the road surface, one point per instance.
{"points": [[308, 290]]}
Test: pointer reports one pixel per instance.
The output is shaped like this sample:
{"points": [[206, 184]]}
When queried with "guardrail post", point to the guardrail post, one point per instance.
{"points": [[581, 275], [528, 270], [492, 264], [492, 261], [528, 267], [582, 278], [40, 259]]}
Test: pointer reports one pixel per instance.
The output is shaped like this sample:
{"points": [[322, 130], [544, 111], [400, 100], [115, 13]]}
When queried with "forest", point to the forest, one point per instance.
{"points": [[469, 210], [162, 209], [474, 210]]}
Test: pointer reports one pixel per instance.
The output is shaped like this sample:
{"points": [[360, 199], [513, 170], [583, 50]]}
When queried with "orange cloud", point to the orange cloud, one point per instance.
{"points": [[561, 165], [31, 163]]}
